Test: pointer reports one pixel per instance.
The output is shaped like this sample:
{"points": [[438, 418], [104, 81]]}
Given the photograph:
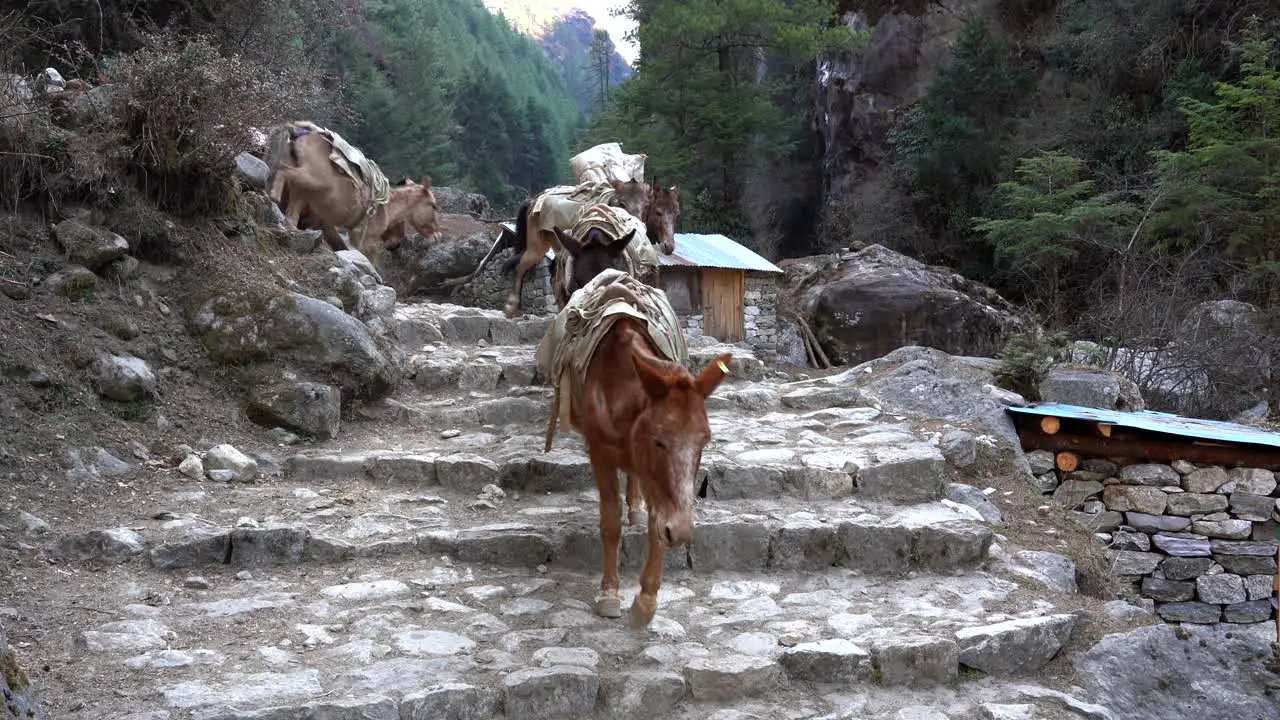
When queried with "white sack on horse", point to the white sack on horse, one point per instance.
{"points": [[606, 162], [566, 349]]}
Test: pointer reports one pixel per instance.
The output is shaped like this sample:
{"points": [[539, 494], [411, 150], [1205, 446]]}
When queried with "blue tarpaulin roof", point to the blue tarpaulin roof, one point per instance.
{"points": [[1158, 422], [712, 251]]}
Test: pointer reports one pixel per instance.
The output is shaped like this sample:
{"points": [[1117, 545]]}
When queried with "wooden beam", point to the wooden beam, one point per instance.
{"points": [[1067, 461], [1153, 450], [1050, 425]]}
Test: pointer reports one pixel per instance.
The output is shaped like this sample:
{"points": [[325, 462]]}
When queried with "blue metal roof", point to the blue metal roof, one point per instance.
{"points": [[713, 251], [1158, 422]]}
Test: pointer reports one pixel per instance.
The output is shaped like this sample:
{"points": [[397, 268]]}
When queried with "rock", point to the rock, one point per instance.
{"points": [[417, 643], [15, 688], [1222, 589], [1072, 493], [1247, 507], [124, 378], [112, 546], [1000, 711], [909, 659], [827, 661], [192, 466], [1156, 523], [1135, 563], [450, 701], [242, 327], [1254, 611], [900, 302], [466, 473], [240, 467], [959, 448], [976, 499], [452, 201], [1190, 612], [236, 688], [94, 248], [1134, 498], [1258, 587], [1187, 504], [544, 693], [1219, 362], [1250, 480], [1168, 590], [1134, 541], [1091, 387], [1181, 546], [1053, 570], [1227, 529], [1041, 462], [1160, 672], [1204, 480], [1239, 547], [578, 657], [1247, 564], [309, 409], [18, 519], [1185, 568], [252, 170], [905, 474], [1015, 646], [73, 282], [731, 677], [946, 547], [642, 695], [1151, 474], [125, 636]]}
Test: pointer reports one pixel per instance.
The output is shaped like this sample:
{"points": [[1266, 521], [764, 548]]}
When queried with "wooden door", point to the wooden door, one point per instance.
{"points": [[722, 297]]}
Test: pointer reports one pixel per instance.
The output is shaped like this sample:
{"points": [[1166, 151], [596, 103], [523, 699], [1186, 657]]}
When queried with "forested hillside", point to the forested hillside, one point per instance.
{"points": [[439, 87], [1107, 163]]}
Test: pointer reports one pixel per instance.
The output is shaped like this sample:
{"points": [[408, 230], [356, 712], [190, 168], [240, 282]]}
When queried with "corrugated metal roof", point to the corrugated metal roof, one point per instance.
{"points": [[1158, 422], [713, 251]]}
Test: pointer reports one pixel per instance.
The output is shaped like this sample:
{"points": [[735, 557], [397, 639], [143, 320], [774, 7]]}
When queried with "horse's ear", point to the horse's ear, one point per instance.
{"points": [[672, 190], [618, 246], [713, 374], [652, 379], [567, 241]]}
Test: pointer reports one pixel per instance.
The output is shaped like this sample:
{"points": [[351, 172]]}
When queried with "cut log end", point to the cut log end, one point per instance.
{"points": [[1067, 461], [1050, 425], [1104, 430]]}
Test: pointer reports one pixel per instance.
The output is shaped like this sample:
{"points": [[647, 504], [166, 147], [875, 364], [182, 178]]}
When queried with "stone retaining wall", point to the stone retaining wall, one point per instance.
{"points": [[1197, 542], [489, 289], [760, 311]]}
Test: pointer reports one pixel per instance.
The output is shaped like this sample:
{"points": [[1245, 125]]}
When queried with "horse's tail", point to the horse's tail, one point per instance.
{"points": [[521, 241], [279, 141]]}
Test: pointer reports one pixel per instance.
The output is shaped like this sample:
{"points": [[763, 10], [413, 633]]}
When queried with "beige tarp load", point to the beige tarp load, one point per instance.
{"points": [[606, 162], [373, 190], [595, 168], [566, 350]]}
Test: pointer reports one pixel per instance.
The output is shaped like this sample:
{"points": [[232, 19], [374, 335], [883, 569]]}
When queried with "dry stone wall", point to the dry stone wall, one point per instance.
{"points": [[489, 289], [1196, 542], [761, 315]]}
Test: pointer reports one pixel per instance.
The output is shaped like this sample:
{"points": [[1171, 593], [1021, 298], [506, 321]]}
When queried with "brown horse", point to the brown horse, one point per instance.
{"points": [[661, 215], [314, 183], [532, 243]]}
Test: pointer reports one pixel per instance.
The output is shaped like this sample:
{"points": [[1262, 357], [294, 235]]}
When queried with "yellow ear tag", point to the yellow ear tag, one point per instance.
{"points": [[723, 368]]}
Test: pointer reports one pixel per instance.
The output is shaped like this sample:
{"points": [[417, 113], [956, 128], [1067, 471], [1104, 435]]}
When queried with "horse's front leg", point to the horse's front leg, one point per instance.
{"points": [[635, 501], [607, 602], [655, 557]]}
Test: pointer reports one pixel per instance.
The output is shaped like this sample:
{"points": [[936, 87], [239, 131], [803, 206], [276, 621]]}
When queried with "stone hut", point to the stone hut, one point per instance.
{"points": [[723, 290]]}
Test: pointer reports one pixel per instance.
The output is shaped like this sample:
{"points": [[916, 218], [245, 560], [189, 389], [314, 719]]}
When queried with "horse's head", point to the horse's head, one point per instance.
{"points": [[596, 252], [668, 438], [422, 211], [632, 196], [663, 212]]}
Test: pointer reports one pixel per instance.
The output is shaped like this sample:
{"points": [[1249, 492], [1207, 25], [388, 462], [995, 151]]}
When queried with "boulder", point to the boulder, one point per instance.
{"points": [[15, 688], [1162, 672], [1225, 341], [252, 170], [242, 327], [310, 409], [422, 264], [452, 201], [123, 378], [863, 305], [1091, 387], [91, 247]]}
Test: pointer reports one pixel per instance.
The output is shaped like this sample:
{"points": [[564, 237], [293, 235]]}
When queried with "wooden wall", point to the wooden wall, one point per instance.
{"points": [[722, 297]]}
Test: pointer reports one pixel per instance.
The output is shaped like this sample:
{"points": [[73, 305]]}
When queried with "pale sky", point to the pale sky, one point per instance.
{"points": [[602, 11]]}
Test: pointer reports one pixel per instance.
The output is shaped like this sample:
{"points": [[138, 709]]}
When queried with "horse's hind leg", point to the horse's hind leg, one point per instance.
{"points": [[608, 603], [532, 254]]}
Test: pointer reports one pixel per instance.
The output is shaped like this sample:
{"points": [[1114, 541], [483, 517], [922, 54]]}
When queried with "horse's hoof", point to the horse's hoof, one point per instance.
{"points": [[609, 606], [637, 518], [642, 611]]}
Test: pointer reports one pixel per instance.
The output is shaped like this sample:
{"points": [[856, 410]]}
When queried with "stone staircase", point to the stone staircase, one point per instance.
{"points": [[433, 562]]}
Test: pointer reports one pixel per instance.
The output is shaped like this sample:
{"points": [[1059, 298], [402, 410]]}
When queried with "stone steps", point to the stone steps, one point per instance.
{"points": [[391, 638]]}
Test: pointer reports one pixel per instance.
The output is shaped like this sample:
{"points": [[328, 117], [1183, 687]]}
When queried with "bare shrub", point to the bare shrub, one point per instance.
{"points": [[185, 110]]}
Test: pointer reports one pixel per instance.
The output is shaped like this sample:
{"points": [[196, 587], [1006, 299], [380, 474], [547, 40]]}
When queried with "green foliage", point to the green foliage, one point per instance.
{"points": [[444, 88], [1026, 360], [950, 147], [702, 105], [1052, 216], [1222, 193]]}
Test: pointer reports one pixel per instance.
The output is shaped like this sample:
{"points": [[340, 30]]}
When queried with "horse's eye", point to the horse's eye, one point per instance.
{"points": [[661, 445]]}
